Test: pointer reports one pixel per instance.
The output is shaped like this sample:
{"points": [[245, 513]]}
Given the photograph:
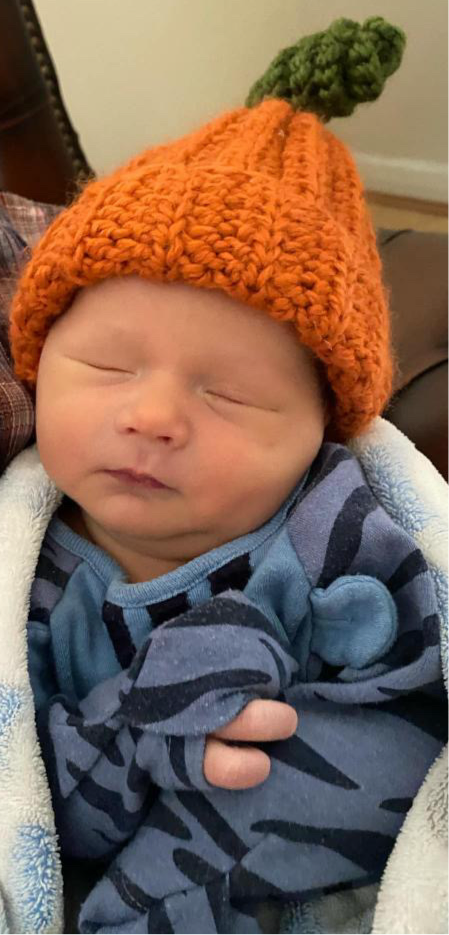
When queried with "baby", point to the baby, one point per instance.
{"points": [[204, 328], [226, 419]]}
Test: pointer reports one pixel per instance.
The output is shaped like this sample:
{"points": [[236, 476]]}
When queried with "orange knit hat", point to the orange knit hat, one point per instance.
{"points": [[263, 203]]}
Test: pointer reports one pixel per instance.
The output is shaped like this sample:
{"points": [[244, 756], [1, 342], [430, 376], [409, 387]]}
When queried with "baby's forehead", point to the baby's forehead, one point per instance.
{"points": [[128, 302], [127, 311]]}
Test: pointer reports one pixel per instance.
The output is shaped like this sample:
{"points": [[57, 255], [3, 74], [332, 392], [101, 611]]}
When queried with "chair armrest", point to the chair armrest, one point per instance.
{"points": [[40, 154]]}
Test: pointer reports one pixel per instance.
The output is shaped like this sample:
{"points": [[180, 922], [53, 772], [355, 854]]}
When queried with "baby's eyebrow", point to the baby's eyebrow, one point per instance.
{"points": [[113, 330]]}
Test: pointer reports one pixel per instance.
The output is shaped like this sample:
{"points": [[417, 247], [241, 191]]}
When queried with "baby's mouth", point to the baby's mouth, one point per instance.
{"points": [[127, 476]]}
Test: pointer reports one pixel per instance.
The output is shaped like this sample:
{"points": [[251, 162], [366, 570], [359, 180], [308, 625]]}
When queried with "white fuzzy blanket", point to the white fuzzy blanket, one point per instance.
{"points": [[413, 893]]}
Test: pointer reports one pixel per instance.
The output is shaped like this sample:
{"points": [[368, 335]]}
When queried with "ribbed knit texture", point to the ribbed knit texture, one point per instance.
{"points": [[263, 203]]}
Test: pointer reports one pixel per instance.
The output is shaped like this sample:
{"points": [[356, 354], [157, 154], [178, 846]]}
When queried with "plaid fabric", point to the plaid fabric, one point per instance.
{"points": [[22, 222]]}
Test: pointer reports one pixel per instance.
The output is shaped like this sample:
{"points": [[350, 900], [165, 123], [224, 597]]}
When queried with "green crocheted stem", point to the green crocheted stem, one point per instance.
{"points": [[330, 72]]}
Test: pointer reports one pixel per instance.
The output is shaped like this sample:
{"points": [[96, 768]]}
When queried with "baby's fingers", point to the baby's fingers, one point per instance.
{"points": [[234, 767], [261, 720]]}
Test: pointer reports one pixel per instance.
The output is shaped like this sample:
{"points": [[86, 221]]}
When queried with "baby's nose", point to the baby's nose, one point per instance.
{"points": [[156, 410]]}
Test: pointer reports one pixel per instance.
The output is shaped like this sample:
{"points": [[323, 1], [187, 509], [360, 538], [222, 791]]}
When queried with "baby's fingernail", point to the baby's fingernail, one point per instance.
{"points": [[290, 722], [294, 722], [257, 769]]}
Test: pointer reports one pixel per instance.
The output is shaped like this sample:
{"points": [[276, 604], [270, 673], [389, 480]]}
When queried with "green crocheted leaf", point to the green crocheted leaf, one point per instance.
{"points": [[330, 72]]}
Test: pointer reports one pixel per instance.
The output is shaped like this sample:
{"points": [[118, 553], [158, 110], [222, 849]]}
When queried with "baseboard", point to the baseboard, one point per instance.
{"points": [[412, 178], [405, 203]]}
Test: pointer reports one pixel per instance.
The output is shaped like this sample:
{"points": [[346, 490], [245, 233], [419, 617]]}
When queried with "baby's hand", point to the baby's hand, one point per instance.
{"points": [[242, 767]]}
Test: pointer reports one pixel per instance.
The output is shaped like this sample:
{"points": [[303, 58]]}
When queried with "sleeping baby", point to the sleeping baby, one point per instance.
{"points": [[233, 649]]}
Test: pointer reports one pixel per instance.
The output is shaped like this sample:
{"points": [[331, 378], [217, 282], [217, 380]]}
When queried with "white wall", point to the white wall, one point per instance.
{"points": [[138, 72]]}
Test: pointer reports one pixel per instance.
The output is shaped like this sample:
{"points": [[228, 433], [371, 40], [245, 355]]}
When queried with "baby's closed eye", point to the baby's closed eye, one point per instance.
{"points": [[108, 367]]}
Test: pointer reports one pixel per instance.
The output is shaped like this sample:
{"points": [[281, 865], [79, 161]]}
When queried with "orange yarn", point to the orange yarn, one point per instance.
{"points": [[263, 203]]}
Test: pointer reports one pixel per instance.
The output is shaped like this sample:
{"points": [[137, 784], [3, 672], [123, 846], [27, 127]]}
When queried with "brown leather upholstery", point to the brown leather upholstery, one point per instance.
{"points": [[40, 154], [415, 270], [420, 411], [41, 158]]}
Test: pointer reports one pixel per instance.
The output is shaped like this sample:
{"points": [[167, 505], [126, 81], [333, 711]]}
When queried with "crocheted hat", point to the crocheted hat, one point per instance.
{"points": [[263, 203]]}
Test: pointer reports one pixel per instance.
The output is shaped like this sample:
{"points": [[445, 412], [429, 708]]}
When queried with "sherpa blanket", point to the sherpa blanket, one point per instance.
{"points": [[29, 869]]}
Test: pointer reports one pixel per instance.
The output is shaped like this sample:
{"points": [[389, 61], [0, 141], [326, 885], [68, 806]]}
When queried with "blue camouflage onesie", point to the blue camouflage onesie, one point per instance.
{"points": [[329, 606]]}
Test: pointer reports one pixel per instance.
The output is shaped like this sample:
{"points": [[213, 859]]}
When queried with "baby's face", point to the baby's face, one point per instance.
{"points": [[214, 399]]}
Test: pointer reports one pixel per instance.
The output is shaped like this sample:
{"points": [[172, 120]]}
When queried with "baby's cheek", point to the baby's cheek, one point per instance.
{"points": [[59, 454], [226, 473], [63, 438]]}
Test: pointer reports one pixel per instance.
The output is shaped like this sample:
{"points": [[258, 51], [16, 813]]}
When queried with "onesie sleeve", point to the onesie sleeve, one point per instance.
{"points": [[370, 586], [147, 726]]}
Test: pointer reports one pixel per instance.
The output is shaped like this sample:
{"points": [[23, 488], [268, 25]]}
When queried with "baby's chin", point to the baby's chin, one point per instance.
{"points": [[129, 524], [164, 518], [135, 523]]}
